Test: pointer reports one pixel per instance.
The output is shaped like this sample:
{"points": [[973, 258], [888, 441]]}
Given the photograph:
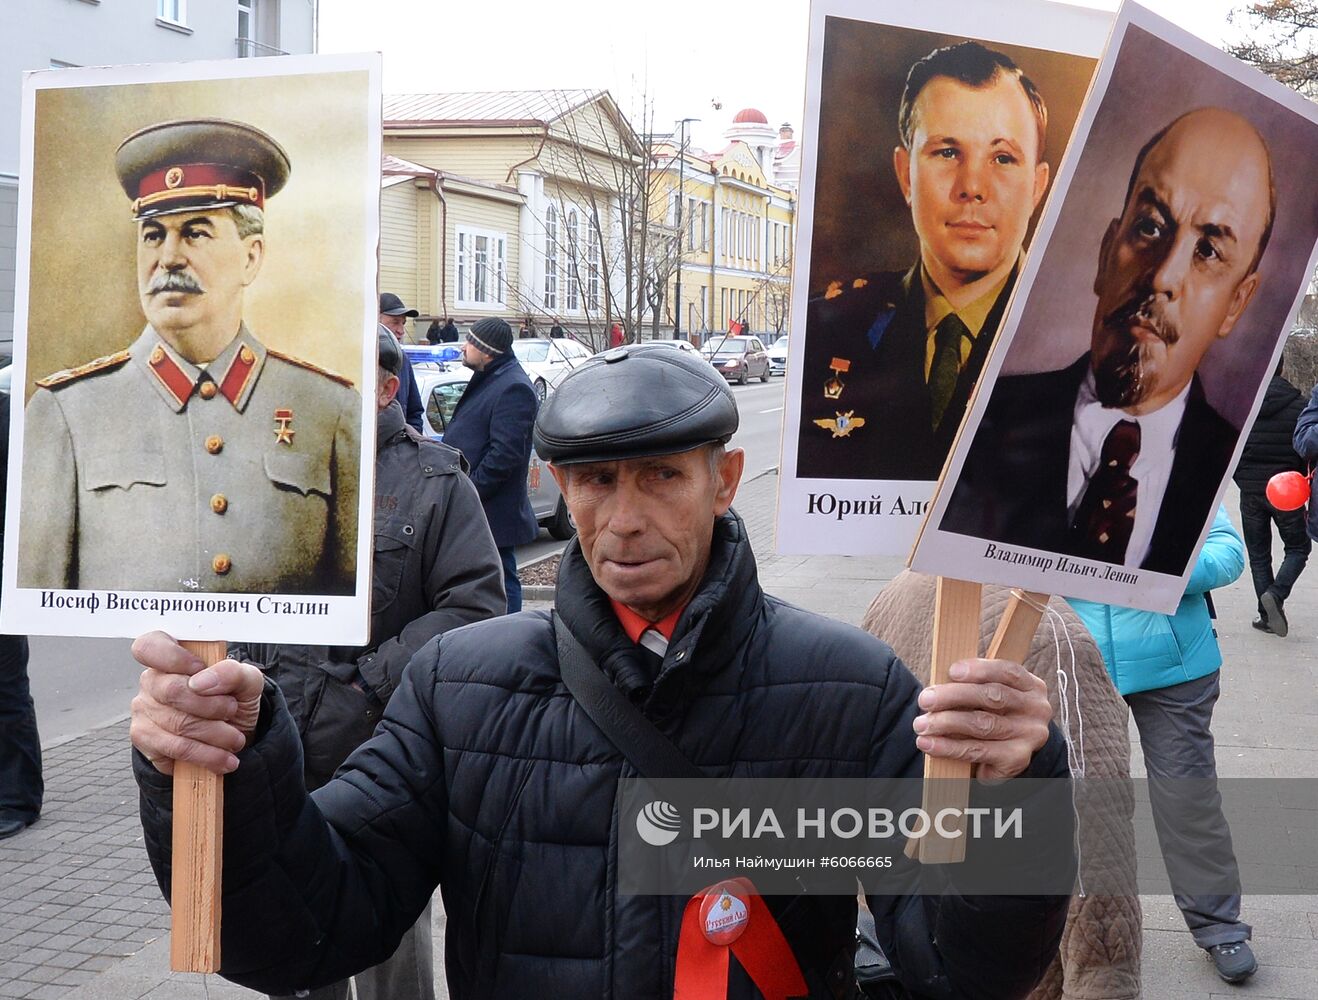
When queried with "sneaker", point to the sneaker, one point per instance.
{"points": [[1260, 624], [1273, 614], [1235, 962]]}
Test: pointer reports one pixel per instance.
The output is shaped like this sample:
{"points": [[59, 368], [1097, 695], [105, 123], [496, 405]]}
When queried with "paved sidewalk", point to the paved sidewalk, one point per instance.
{"points": [[80, 916]]}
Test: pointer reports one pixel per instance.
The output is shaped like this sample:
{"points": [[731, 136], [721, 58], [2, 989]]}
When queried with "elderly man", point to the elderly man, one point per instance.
{"points": [[891, 358], [488, 778], [1118, 457], [240, 464], [435, 569]]}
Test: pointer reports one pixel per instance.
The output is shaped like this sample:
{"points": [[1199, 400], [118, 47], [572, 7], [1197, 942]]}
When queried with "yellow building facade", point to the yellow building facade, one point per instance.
{"points": [[736, 230]]}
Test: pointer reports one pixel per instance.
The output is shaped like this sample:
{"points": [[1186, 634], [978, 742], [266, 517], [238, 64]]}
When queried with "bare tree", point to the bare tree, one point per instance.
{"points": [[604, 239], [1282, 41]]}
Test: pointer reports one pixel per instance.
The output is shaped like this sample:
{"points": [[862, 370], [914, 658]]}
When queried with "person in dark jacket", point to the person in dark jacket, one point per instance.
{"points": [[21, 784], [393, 317], [491, 426], [434, 332], [448, 333], [435, 568], [1269, 449], [488, 778]]}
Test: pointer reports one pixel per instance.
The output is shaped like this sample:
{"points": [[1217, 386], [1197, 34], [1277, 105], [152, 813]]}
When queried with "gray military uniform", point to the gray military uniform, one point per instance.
{"points": [[144, 472]]}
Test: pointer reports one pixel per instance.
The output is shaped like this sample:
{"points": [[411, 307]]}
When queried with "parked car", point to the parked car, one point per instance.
{"points": [[738, 359], [547, 361], [681, 345], [441, 386], [778, 356]]}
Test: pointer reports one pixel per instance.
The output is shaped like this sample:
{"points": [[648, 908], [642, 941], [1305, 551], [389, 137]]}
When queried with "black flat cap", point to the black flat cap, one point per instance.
{"points": [[633, 402], [391, 355]]}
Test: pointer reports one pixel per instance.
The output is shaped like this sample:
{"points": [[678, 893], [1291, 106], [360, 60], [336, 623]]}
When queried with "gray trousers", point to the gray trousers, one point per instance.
{"points": [[408, 974], [1174, 726]]}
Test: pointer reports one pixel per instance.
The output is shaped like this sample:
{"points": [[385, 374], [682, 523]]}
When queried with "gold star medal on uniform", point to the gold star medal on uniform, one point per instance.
{"points": [[283, 426], [842, 424], [834, 386]]}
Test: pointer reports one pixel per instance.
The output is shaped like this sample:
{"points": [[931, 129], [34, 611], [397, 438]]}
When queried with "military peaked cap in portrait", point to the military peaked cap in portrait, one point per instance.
{"points": [[199, 164], [634, 402]]}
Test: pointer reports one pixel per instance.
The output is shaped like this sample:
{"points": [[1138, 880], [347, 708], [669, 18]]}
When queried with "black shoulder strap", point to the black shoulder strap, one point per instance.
{"points": [[648, 750]]}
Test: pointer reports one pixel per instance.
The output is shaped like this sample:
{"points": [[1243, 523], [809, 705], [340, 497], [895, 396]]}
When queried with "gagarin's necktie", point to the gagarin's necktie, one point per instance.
{"points": [[947, 364]]}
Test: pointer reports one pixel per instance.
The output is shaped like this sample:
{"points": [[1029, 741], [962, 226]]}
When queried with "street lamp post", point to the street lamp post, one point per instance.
{"points": [[681, 199]]}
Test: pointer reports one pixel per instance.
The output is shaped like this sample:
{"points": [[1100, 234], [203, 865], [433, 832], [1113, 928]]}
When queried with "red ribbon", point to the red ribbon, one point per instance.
{"points": [[702, 966]]}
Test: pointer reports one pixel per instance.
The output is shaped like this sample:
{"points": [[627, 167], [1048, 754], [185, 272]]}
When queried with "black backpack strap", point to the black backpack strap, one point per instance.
{"points": [[648, 750]]}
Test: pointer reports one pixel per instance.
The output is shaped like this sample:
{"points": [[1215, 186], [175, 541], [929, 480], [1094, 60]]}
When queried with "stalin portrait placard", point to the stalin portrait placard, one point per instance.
{"points": [[194, 338], [933, 132]]}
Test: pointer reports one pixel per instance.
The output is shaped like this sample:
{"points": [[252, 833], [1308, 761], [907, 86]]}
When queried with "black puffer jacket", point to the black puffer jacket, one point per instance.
{"points": [[1269, 449], [487, 778]]}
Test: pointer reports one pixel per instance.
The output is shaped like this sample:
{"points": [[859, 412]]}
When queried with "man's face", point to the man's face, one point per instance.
{"points": [[192, 268], [473, 357], [1176, 269], [972, 177], [646, 524], [396, 324]]}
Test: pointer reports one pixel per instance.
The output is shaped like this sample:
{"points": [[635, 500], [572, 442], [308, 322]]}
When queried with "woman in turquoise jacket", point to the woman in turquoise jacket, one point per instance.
{"points": [[1144, 650], [1166, 667]]}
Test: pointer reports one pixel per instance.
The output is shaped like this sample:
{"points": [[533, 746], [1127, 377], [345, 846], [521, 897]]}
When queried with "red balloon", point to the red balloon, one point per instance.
{"points": [[1288, 490]]}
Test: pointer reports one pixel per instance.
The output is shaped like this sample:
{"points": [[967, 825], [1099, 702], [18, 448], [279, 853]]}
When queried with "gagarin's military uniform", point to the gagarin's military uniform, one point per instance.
{"points": [[144, 472], [865, 401]]}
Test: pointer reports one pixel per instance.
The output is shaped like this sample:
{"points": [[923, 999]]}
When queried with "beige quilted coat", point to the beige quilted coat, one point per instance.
{"points": [[1099, 957]]}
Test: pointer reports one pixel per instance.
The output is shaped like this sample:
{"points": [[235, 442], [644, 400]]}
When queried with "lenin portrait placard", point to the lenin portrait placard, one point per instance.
{"points": [[933, 132], [1175, 254], [194, 351]]}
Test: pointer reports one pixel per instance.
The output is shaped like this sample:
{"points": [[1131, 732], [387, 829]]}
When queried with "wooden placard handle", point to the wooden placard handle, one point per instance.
{"points": [[956, 637], [194, 936]]}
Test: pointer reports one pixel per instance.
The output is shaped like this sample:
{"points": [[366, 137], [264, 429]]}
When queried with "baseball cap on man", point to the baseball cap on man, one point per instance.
{"points": [[635, 402], [392, 305], [492, 335]]}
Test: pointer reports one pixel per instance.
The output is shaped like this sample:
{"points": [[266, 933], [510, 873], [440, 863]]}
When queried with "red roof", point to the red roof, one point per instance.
{"points": [[748, 116]]}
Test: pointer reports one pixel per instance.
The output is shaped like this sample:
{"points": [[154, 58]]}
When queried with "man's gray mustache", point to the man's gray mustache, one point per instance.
{"points": [[175, 281]]}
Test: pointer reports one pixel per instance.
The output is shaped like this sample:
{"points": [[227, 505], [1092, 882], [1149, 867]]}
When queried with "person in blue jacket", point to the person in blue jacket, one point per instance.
{"points": [[1167, 669]]}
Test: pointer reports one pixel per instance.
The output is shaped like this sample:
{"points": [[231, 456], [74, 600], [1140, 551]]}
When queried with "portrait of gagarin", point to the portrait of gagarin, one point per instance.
{"points": [[891, 357]]}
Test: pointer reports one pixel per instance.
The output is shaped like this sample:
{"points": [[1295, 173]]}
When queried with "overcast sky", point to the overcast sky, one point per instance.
{"points": [[685, 54]]}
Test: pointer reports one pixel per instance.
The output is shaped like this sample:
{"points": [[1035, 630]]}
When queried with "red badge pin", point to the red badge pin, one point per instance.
{"points": [[724, 913]]}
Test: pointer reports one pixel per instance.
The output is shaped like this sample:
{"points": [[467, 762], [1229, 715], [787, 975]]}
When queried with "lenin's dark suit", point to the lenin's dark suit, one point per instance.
{"points": [[876, 327], [1012, 488]]}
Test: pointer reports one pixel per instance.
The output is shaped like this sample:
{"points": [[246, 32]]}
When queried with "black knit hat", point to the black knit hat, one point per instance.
{"points": [[492, 335]]}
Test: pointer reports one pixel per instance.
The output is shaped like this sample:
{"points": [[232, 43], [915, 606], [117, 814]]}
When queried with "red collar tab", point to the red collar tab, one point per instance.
{"points": [[633, 624], [239, 374], [171, 376], [731, 917]]}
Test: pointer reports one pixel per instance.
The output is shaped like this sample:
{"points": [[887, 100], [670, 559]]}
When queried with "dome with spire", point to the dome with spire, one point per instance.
{"points": [[749, 116]]}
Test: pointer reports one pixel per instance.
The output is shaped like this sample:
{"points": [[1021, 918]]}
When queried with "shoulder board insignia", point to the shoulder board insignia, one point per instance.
{"points": [[310, 367], [68, 375]]}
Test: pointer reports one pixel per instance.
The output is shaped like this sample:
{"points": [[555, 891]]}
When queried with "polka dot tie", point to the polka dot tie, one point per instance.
{"points": [[1106, 515]]}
